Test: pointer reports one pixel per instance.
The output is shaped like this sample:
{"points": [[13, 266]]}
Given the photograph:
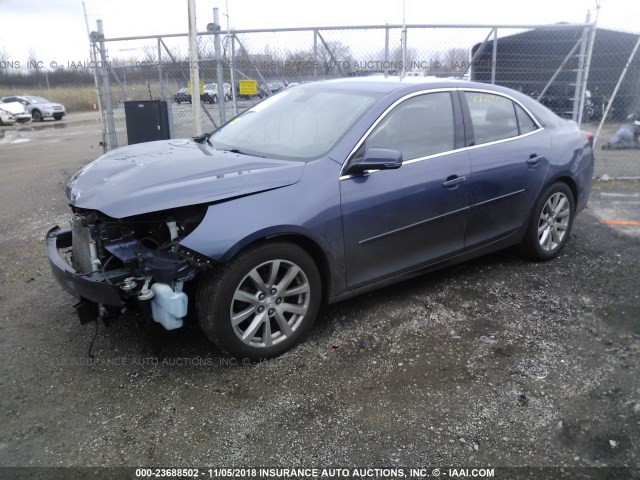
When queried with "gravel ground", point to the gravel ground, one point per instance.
{"points": [[496, 362]]}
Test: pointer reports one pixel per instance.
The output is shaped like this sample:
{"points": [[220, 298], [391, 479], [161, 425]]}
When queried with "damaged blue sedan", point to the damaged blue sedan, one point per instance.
{"points": [[316, 194]]}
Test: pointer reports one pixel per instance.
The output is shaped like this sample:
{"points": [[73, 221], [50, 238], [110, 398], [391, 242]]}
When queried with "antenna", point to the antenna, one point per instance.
{"points": [[86, 20]]}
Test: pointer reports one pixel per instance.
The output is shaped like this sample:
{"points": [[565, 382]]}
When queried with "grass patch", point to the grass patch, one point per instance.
{"points": [[616, 184], [74, 99], [82, 98]]}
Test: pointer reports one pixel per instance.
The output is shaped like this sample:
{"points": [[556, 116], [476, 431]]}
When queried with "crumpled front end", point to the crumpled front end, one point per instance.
{"points": [[112, 265]]}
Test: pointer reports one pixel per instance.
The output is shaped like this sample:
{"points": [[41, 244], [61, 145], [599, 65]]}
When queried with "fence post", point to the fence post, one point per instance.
{"points": [[315, 55], [111, 130], [97, 82], [218, 55], [494, 55], [587, 68], [162, 92], [386, 51], [232, 71], [160, 70], [403, 45], [92, 56], [578, 90]]}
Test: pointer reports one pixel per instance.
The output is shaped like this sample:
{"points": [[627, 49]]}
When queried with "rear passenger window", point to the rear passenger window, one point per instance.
{"points": [[525, 122], [493, 117], [418, 127]]}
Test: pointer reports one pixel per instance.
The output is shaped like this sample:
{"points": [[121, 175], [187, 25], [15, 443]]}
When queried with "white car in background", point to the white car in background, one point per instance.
{"points": [[39, 107], [211, 92], [13, 112]]}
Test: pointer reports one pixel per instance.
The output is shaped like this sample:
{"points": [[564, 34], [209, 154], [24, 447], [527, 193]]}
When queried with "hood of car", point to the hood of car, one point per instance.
{"points": [[14, 108], [167, 174]]}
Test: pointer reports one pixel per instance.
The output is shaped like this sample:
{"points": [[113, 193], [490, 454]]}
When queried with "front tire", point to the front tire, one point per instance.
{"points": [[550, 223], [262, 303], [58, 117]]}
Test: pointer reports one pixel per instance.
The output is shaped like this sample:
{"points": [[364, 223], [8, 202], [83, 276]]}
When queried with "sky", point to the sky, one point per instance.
{"points": [[55, 30]]}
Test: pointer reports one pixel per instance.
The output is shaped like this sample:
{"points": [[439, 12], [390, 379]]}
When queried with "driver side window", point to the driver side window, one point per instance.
{"points": [[418, 127]]}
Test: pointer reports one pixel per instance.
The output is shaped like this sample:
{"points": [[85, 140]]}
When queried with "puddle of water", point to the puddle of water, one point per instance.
{"points": [[39, 127], [10, 137]]}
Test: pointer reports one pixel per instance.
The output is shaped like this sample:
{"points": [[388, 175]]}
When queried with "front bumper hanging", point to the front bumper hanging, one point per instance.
{"points": [[91, 286]]}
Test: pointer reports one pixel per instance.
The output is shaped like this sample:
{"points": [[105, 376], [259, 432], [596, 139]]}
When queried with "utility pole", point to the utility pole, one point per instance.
{"points": [[194, 71]]}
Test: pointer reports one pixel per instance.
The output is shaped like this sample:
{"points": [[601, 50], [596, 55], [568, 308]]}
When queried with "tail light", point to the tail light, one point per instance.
{"points": [[589, 136]]}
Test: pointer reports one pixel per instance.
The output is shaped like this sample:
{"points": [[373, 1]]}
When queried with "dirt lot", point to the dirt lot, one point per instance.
{"points": [[497, 362]]}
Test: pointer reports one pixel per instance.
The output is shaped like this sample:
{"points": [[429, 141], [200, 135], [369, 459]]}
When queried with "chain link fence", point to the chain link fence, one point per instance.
{"points": [[581, 72]]}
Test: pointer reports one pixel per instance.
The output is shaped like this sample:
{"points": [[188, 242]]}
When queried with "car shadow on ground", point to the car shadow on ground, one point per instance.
{"points": [[132, 336]]}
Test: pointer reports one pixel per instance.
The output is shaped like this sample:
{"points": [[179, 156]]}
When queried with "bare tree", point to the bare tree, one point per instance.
{"points": [[336, 55], [395, 57], [149, 54], [456, 59], [299, 63], [4, 62], [32, 62]]}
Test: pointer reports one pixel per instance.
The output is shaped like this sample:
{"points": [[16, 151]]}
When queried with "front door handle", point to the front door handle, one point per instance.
{"points": [[453, 181]]}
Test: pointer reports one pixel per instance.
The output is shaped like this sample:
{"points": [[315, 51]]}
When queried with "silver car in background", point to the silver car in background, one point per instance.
{"points": [[211, 92], [39, 107]]}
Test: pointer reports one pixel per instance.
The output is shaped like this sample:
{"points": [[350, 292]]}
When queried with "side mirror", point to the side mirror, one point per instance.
{"points": [[375, 159]]}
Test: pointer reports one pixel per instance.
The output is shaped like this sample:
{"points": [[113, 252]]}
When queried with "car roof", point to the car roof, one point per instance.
{"points": [[393, 83], [406, 85]]}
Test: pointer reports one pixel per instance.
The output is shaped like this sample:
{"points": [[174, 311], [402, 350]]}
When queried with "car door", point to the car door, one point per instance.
{"points": [[398, 220], [508, 165]]}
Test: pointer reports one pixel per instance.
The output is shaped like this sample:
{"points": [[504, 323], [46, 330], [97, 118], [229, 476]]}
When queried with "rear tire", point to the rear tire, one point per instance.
{"points": [[261, 303], [36, 116], [550, 223]]}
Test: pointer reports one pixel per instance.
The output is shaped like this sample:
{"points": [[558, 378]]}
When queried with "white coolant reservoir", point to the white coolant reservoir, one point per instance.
{"points": [[168, 307]]}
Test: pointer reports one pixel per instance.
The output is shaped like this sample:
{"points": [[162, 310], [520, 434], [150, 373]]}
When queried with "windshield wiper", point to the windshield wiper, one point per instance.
{"points": [[235, 150], [203, 138]]}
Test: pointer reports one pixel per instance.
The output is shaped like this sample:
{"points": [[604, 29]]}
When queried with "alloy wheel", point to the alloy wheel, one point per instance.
{"points": [[270, 303], [554, 221]]}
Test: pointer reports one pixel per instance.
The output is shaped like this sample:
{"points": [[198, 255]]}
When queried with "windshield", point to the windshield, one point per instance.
{"points": [[37, 100], [294, 124]]}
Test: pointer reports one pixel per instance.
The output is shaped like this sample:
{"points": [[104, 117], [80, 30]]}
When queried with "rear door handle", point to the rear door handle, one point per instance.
{"points": [[453, 181], [533, 160]]}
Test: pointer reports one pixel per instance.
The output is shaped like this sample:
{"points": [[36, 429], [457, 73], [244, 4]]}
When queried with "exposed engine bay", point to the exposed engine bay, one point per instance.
{"points": [[140, 258]]}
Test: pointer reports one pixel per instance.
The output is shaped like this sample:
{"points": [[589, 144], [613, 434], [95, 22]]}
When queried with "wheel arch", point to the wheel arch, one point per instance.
{"points": [[571, 183], [310, 245], [563, 178]]}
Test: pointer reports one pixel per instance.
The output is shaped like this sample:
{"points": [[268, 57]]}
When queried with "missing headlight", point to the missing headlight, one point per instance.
{"points": [[141, 246]]}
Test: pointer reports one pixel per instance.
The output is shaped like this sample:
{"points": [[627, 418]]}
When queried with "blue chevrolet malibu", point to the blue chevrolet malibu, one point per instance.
{"points": [[318, 193]]}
